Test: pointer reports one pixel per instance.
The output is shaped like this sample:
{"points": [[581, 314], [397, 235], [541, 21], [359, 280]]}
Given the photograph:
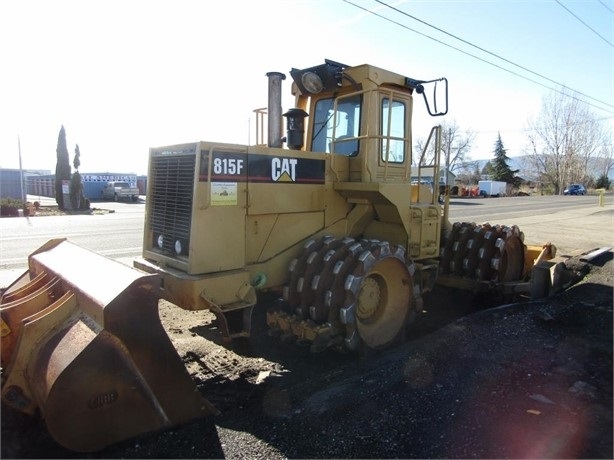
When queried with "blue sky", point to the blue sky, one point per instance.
{"points": [[123, 76]]}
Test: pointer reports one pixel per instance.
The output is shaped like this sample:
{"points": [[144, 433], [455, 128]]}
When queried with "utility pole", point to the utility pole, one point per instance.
{"points": [[23, 195]]}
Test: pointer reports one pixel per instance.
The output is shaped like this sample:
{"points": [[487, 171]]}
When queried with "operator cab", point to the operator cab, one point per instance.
{"points": [[362, 113]]}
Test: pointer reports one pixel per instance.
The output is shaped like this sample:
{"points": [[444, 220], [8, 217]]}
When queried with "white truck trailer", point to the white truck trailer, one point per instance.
{"points": [[492, 188]]}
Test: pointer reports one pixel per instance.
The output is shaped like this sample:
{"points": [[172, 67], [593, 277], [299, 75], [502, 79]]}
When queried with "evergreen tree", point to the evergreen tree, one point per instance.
{"points": [[76, 162], [603, 182], [500, 169], [76, 186], [62, 167], [488, 169]]}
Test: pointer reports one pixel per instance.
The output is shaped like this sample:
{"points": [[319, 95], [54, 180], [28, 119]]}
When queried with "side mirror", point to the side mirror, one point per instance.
{"points": [[438, 98]]}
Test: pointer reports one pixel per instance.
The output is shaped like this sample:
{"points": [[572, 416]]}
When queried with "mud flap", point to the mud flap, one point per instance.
{"points": [[83, 344]]}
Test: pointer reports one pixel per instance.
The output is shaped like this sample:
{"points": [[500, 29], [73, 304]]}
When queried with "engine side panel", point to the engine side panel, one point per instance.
{"points": [[270, 234]]}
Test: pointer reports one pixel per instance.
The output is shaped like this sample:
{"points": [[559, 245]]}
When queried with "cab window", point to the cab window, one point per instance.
{"points": [[347, 126], [393, 141]]}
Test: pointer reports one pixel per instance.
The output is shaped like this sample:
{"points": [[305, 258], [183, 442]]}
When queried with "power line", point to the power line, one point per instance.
{"points": [[479, 58], [606, 6], [481, 49], [589, 27]]}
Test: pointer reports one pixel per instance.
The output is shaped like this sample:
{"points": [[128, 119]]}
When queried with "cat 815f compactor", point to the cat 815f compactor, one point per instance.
{"points": [[338, 221]]}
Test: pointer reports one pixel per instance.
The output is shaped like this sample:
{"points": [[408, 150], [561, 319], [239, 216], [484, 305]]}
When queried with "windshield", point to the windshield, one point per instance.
{"points": [[347, 125]]}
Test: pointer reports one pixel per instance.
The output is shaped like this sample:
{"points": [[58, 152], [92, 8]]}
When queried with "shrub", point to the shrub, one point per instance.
{"points": [[9, 207], [603, 182]]}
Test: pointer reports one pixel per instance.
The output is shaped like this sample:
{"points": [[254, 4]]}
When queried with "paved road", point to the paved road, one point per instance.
{"points": [[571, 222], [118, 235], [515, 207]]}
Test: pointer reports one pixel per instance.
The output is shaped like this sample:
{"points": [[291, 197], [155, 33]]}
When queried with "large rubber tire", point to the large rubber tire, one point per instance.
{"points": [[365, 287], [484, 252]]}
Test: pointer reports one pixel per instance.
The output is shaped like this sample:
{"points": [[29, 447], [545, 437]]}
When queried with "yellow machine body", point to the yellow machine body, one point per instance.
{"points": [[224, 221], [320, 219]]}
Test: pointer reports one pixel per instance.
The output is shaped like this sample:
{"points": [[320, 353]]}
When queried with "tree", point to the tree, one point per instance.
{"points": [[455, 147], [603, 182], [605, 160], [563, 139], [469, 172], [488, 169], [76, 185], [76, 162], [500, 169], [62, 167], [475, 175]]}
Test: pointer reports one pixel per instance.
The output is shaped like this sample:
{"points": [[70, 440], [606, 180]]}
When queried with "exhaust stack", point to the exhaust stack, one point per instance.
{"points": [[274, 109]]}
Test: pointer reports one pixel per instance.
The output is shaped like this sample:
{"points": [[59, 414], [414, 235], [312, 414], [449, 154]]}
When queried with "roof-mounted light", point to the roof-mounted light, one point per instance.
{"points": [[324, 77], [312, 82]]}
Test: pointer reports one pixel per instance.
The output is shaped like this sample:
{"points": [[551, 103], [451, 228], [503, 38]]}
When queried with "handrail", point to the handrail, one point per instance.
{"points": [[260, 114], [436, 163], [386, 140]]}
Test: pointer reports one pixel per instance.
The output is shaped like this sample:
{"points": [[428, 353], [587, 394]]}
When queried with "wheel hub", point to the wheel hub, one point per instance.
{"points": [[368, 298]]}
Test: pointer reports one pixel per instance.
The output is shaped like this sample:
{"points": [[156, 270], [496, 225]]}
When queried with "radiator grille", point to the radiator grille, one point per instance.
{"points": [[171, 207]]}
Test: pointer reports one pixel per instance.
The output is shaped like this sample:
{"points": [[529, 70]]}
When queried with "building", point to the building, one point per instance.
{"points": [[44, 185], [426, 175], [11, 182], [93, 183]]}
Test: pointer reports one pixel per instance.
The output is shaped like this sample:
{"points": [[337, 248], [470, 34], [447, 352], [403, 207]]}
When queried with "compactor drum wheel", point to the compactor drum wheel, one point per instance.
{"points": [[484, 252], [348, 293]]}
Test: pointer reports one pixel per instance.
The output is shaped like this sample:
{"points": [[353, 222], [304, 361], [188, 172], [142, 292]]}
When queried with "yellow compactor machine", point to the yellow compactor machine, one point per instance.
{"points": [[333, 215]]}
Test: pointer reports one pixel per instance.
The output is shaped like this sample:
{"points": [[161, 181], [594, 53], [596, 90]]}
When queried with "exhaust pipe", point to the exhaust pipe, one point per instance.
{"points": [[274, 109]]}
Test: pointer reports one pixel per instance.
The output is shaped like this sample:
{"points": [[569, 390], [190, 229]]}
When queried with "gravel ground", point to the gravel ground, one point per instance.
{"points": [[525, 380]]}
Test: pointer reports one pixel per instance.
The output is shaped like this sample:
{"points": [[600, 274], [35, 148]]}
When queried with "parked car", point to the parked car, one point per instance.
{"points": [[575, 189], [119, 191]]}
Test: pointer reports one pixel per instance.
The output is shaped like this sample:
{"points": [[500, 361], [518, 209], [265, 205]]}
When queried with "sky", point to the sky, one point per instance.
{"points": [[123, 76]]}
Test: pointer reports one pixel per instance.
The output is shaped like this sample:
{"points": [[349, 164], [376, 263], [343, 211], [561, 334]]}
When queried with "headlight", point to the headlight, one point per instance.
{"points": [[160, 241], [312, 82], [178, 247]]}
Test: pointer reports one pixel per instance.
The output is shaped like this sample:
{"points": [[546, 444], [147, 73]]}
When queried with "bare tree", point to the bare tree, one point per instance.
{"points": [[605, 160], [455, 147], [469, 172], [563, 139]]}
